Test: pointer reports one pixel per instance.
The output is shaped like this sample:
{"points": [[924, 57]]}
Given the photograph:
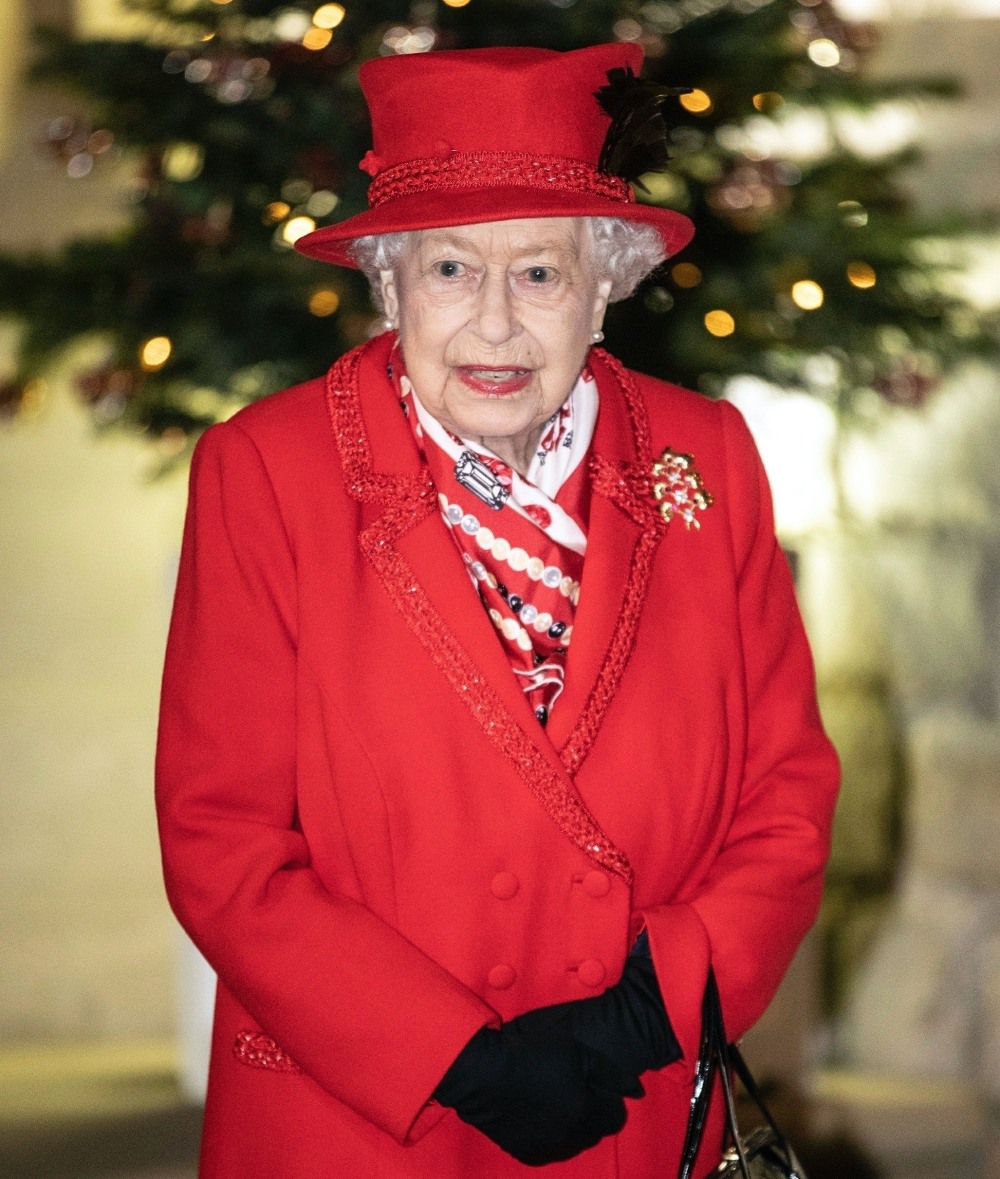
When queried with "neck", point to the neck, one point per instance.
{"points": [[515, 452]]}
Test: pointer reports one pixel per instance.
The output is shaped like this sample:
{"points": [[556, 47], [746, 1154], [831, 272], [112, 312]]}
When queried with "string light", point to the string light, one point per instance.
{"points": [[317, 38], [807, 294], [720, 323], [296, 227], [328, 16], [824, 52], [276, 211], [861, 275], [686, 274], [324, 301], [155, 353], [697, 102]]}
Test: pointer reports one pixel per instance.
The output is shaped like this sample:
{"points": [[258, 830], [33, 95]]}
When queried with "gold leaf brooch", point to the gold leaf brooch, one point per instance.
{"points": [[678, 489]]}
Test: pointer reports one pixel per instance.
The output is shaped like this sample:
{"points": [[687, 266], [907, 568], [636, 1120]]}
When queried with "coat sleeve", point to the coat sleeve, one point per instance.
{"points": [[749, 911], [359, 1008]]}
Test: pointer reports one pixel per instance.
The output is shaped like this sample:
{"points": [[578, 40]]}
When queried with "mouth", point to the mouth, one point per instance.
{"points": [[495, 382]]}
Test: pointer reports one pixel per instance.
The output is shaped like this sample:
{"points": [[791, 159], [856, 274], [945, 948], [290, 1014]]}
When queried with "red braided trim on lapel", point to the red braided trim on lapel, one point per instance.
{"points": [[344, 407]]}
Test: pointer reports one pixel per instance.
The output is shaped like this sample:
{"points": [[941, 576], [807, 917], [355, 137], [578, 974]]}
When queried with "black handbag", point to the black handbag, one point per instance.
{"points": [[762, 1154]]}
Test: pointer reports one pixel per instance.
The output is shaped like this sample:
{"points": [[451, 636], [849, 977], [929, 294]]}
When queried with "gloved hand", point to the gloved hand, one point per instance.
{"points": [[540, 1097], [628, 1023]]}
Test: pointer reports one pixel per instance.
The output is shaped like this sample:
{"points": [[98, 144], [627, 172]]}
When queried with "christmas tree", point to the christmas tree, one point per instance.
{"points": [[246, 124]]}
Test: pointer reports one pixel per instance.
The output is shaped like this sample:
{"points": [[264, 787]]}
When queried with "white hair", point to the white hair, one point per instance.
{"points": [[624, 251]]}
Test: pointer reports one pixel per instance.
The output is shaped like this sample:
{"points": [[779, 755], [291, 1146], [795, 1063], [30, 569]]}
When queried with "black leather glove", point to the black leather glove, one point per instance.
{"points": [[628, 1023], [540, 1097]]}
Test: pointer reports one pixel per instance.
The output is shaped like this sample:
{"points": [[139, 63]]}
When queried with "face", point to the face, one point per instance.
{"points": [[495, 321]]}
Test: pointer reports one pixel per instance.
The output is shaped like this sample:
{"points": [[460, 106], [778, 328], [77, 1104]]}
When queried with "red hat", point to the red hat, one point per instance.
{"points": [[472, 135]]}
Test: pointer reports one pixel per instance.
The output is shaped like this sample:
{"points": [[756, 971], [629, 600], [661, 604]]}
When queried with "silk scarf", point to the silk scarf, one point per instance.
{"points": [[522, 538]]}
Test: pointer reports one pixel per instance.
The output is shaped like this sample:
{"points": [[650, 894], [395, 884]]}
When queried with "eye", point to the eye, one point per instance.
{"points": [[540, 274], [448, 269]]}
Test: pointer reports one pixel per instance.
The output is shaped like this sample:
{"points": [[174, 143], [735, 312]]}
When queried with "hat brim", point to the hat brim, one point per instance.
{"points": [[436, 210]]}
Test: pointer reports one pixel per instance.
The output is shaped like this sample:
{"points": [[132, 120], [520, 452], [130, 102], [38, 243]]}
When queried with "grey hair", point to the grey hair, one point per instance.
{"points": [[624, 251]]}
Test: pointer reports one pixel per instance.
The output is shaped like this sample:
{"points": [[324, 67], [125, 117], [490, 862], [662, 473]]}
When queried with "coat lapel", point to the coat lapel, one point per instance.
{"points": [[423, 574]]}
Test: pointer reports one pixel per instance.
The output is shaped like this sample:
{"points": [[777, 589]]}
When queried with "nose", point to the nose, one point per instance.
{"points": [[495, 317]]}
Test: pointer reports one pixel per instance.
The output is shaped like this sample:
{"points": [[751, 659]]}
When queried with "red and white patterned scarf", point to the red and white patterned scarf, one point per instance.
{"points": [[523, 539]]}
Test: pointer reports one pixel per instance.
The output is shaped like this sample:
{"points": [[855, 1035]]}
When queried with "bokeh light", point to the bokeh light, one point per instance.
{"points": [[697, 102], [807, 294], [276, 211], [296, 227], [824, 52], [686, 274], [720, 323], [853, 214], [324, 301], [768, 101], [183, 161], [155, 353], [861, 275], [317, 38], [328, 16]]}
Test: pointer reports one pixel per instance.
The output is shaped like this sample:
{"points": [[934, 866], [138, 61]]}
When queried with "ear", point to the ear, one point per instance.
{"points": [[601, 296], [390, 296]]}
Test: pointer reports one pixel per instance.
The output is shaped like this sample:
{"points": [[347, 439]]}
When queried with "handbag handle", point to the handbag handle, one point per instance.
{"points": [[717, 1055]]}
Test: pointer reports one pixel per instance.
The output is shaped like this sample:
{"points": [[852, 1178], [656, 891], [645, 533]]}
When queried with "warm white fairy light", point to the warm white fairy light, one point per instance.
{"points": [[807, 295], [329, 16], [824, 52], [296, 227]]}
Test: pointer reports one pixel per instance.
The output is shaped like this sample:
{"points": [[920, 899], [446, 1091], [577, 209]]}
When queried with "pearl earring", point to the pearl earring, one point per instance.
{"points": [[389, 324], [597, 336]]}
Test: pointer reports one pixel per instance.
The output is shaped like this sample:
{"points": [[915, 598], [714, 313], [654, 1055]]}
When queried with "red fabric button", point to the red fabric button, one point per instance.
{"points": [[501, 977], [504, 885], [596, 884], [591, 972]]}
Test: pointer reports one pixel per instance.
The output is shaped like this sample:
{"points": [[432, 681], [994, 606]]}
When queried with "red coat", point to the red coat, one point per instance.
{"points": [[377, 846]]}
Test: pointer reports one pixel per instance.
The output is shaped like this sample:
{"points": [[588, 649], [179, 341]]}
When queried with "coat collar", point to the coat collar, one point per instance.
{"points": [[423, 574]]}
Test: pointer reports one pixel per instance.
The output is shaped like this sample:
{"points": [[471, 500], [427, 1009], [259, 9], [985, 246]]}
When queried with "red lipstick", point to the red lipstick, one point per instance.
{"points": [[476, 378]]}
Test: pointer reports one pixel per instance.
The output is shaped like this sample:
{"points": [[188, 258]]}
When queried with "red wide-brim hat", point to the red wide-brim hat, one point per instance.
{"points": [[466, 136]]}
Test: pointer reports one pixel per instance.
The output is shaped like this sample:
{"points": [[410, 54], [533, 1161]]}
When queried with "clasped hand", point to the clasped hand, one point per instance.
{"points": [[552, 1082]]}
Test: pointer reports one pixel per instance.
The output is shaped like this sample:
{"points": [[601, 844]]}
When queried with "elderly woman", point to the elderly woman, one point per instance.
{"points": [[488, 720]]}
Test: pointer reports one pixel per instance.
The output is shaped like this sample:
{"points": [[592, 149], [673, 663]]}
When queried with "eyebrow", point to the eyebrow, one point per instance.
{"points": [[466, 243]]}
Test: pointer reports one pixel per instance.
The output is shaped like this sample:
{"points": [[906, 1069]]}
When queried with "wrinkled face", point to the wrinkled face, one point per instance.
{"points": [[494, 322]]}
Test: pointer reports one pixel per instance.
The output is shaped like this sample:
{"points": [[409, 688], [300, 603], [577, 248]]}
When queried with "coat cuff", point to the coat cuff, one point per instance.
{"points": [[682, 954]]}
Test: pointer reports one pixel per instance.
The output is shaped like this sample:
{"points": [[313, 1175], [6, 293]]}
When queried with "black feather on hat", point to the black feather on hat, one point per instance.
{"points": [[636, 141]]}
